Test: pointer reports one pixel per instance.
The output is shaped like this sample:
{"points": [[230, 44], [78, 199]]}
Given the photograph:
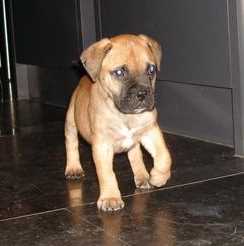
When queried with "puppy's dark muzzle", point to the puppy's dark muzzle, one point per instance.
{"points": [[136, 99], [142, 94]]}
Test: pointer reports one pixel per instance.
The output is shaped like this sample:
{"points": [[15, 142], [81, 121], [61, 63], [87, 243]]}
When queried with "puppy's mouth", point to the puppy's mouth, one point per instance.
{"points": [[136, 101]]}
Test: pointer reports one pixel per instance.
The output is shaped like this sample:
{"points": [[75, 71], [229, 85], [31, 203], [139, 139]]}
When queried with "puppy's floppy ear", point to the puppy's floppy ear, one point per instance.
{"points": [[154, 47], [93, 56]]}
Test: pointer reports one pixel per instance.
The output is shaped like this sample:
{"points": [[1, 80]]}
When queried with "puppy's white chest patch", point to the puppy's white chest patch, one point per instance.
{"points": [[126, 138]]}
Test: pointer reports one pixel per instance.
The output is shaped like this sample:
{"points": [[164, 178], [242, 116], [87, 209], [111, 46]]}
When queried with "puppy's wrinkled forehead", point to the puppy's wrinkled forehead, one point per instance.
{"points": [[130, 51]]}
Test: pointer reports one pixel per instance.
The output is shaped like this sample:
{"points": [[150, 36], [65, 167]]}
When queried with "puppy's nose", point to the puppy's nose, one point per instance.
{"points": [[141, 94]]}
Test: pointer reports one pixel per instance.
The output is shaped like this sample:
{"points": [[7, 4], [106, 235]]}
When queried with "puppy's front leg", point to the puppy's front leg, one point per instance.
{"points": [[141, 175], [154, 143], [110, 197]]}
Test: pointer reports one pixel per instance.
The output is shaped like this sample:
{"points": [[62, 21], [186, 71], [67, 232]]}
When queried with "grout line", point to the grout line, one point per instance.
{"points": [[185, 185], [35, 214], [170, 187], [68, 209]]}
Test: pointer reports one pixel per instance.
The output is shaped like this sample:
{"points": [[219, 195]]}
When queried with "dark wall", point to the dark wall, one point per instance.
{"points": [[195, 96], [47, 27], [193, 34], [50, 35], [199, 83]]}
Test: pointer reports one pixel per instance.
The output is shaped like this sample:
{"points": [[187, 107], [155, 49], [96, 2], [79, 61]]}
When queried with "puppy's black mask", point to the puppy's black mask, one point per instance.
{"points": [[137, 93]]}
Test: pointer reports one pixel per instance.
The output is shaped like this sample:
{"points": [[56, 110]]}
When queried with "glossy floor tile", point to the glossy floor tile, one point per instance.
{"points": [[209, 213], [33, 190], [53, 228], [23, 114], [32, 170]]}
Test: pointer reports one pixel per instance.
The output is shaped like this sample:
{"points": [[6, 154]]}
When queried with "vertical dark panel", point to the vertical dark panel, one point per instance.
{"points": [[237, 54], [57, 84], [194, 35], [50, 35], [47, 33], [88, 22], [197, 111]]}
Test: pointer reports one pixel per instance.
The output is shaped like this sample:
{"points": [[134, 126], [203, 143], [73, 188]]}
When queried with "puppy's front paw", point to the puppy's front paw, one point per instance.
{"points": [[143, 184], [158, 178], [74, 171], [110, 204]]}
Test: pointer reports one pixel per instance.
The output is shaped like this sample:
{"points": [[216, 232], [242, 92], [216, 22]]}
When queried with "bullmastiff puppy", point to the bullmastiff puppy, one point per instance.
{"points": [[113, 109]]}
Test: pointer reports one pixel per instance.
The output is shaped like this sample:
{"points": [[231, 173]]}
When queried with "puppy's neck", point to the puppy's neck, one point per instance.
{"points": [[104, 92], [107, 97]]}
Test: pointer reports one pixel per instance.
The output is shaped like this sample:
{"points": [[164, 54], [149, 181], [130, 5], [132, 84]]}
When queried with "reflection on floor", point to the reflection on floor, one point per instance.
{"points": [[201, 205]]}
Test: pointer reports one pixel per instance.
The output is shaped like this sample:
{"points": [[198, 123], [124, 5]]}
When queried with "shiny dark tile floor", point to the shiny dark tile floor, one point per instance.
{"points": [[201, 205]]}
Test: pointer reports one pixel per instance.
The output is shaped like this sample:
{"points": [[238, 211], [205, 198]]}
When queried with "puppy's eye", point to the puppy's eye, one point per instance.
{"points": [[151, 69], [119, 72]]}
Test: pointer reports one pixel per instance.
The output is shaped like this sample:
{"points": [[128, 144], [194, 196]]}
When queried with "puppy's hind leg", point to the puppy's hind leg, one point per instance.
{"points": [[73, 167]]}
